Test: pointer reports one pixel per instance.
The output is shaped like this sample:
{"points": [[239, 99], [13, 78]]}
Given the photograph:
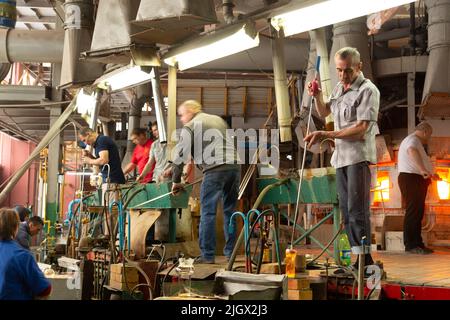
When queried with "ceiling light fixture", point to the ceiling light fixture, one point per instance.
{"points": [[213, 46], [300, 16]]}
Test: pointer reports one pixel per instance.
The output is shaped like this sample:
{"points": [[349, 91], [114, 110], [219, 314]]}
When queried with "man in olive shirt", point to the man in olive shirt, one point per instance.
{"points": [[204, 140]]}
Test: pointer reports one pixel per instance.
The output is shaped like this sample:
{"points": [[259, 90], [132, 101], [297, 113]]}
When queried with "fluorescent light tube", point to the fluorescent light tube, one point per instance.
{"points": [[124, 78], [221, 43], [301, 16]]}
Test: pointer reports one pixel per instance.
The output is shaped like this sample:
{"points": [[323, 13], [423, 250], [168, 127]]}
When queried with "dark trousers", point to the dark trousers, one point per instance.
{"points": [[217, 185], [414, 191], [353, 188]]}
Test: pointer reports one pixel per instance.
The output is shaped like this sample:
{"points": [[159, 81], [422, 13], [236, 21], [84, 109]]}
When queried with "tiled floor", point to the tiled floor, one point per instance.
{"points": [[412, 269]]}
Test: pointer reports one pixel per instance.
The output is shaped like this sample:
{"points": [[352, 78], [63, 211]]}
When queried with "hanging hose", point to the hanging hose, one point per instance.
{"points": [[240, 239]]}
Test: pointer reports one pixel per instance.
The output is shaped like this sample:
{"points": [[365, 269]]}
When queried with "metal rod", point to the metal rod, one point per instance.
{"points": [[167, 194]]}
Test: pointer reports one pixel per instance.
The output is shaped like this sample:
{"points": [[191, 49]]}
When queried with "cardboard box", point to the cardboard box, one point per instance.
{"points": [[298, 284], [394, 241], [305, 294], [122, 285]]}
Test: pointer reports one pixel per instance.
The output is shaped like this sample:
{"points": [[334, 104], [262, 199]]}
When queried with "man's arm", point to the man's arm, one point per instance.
{"points": [[129, 167], [100, 161], [151, 161], [417, 159], [322, 108], [354, 132]]}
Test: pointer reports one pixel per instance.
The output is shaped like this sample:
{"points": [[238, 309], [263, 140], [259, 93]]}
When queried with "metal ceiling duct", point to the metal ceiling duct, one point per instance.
{"points": [[78, 30], [31, 46], [169, 22], [351, 33], [111, 41], [436, 91]]}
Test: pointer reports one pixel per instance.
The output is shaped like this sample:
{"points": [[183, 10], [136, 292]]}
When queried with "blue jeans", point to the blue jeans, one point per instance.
{"points": [[353, 188], [217, 184]]}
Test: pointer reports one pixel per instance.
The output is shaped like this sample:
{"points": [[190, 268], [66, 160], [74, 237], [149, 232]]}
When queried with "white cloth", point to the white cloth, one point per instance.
{"points": [[405, 162]]}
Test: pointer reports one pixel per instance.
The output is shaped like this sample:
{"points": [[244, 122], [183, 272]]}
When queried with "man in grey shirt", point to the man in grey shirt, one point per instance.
{"points": [[354, 104], [157, 158], [204, 140]]}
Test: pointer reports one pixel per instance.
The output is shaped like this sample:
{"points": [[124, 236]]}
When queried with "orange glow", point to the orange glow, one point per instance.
{"points": [[381, 190], [443, 190]]}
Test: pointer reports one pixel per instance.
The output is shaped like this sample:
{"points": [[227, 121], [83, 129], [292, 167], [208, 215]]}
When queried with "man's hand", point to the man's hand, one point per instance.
{"points": [[315, 137], [426, 174], [139, 178], [167, 173], [86, 160], [177, 187], [313, 88]]}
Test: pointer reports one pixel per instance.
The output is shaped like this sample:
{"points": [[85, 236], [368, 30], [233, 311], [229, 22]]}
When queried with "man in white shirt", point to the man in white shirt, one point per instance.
{"points": [[415, 173]]}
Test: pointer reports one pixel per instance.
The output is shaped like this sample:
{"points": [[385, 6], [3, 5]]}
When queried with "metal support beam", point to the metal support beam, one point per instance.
{"points": [[19, 94], [34, 4], [400, 65]]}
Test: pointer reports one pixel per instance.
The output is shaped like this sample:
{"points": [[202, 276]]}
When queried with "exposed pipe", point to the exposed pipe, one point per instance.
{"points": [[31, 45], [78, 26], [227, 10], [134, 119], [352, 33], [412, 28], [437, 78], [281, 85], [52, 132], [159, 105]]}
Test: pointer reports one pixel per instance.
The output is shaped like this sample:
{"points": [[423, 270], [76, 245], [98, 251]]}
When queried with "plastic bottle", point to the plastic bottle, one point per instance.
{"points": [[345, 250], [290, 262]]}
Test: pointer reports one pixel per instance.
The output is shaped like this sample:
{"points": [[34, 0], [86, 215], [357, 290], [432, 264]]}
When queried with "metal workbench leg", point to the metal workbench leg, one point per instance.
{"points": [[172, 225], [336, 227]]}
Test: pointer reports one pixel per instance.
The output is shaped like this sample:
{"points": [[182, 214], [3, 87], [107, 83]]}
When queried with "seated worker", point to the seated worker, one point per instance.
{"points": [[140, 154], [23, 212], [28, 229], [20, 276]]}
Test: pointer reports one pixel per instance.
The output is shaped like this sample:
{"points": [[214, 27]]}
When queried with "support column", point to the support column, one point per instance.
{"points": [[411, 91], [172, 111], [281, 88], [54, 161]]}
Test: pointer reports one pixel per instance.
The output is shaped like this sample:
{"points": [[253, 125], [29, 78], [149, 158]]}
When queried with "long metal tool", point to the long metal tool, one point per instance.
{"points": [[303, 159], [168, 193]]}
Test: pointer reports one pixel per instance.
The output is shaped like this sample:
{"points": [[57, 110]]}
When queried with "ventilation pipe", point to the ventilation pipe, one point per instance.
{"points": [[111, 41], [159, 105], [140, 96], [281, 85], [227, 10], [437, 78], [78, 25], [31, 46], [352, 33]]}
